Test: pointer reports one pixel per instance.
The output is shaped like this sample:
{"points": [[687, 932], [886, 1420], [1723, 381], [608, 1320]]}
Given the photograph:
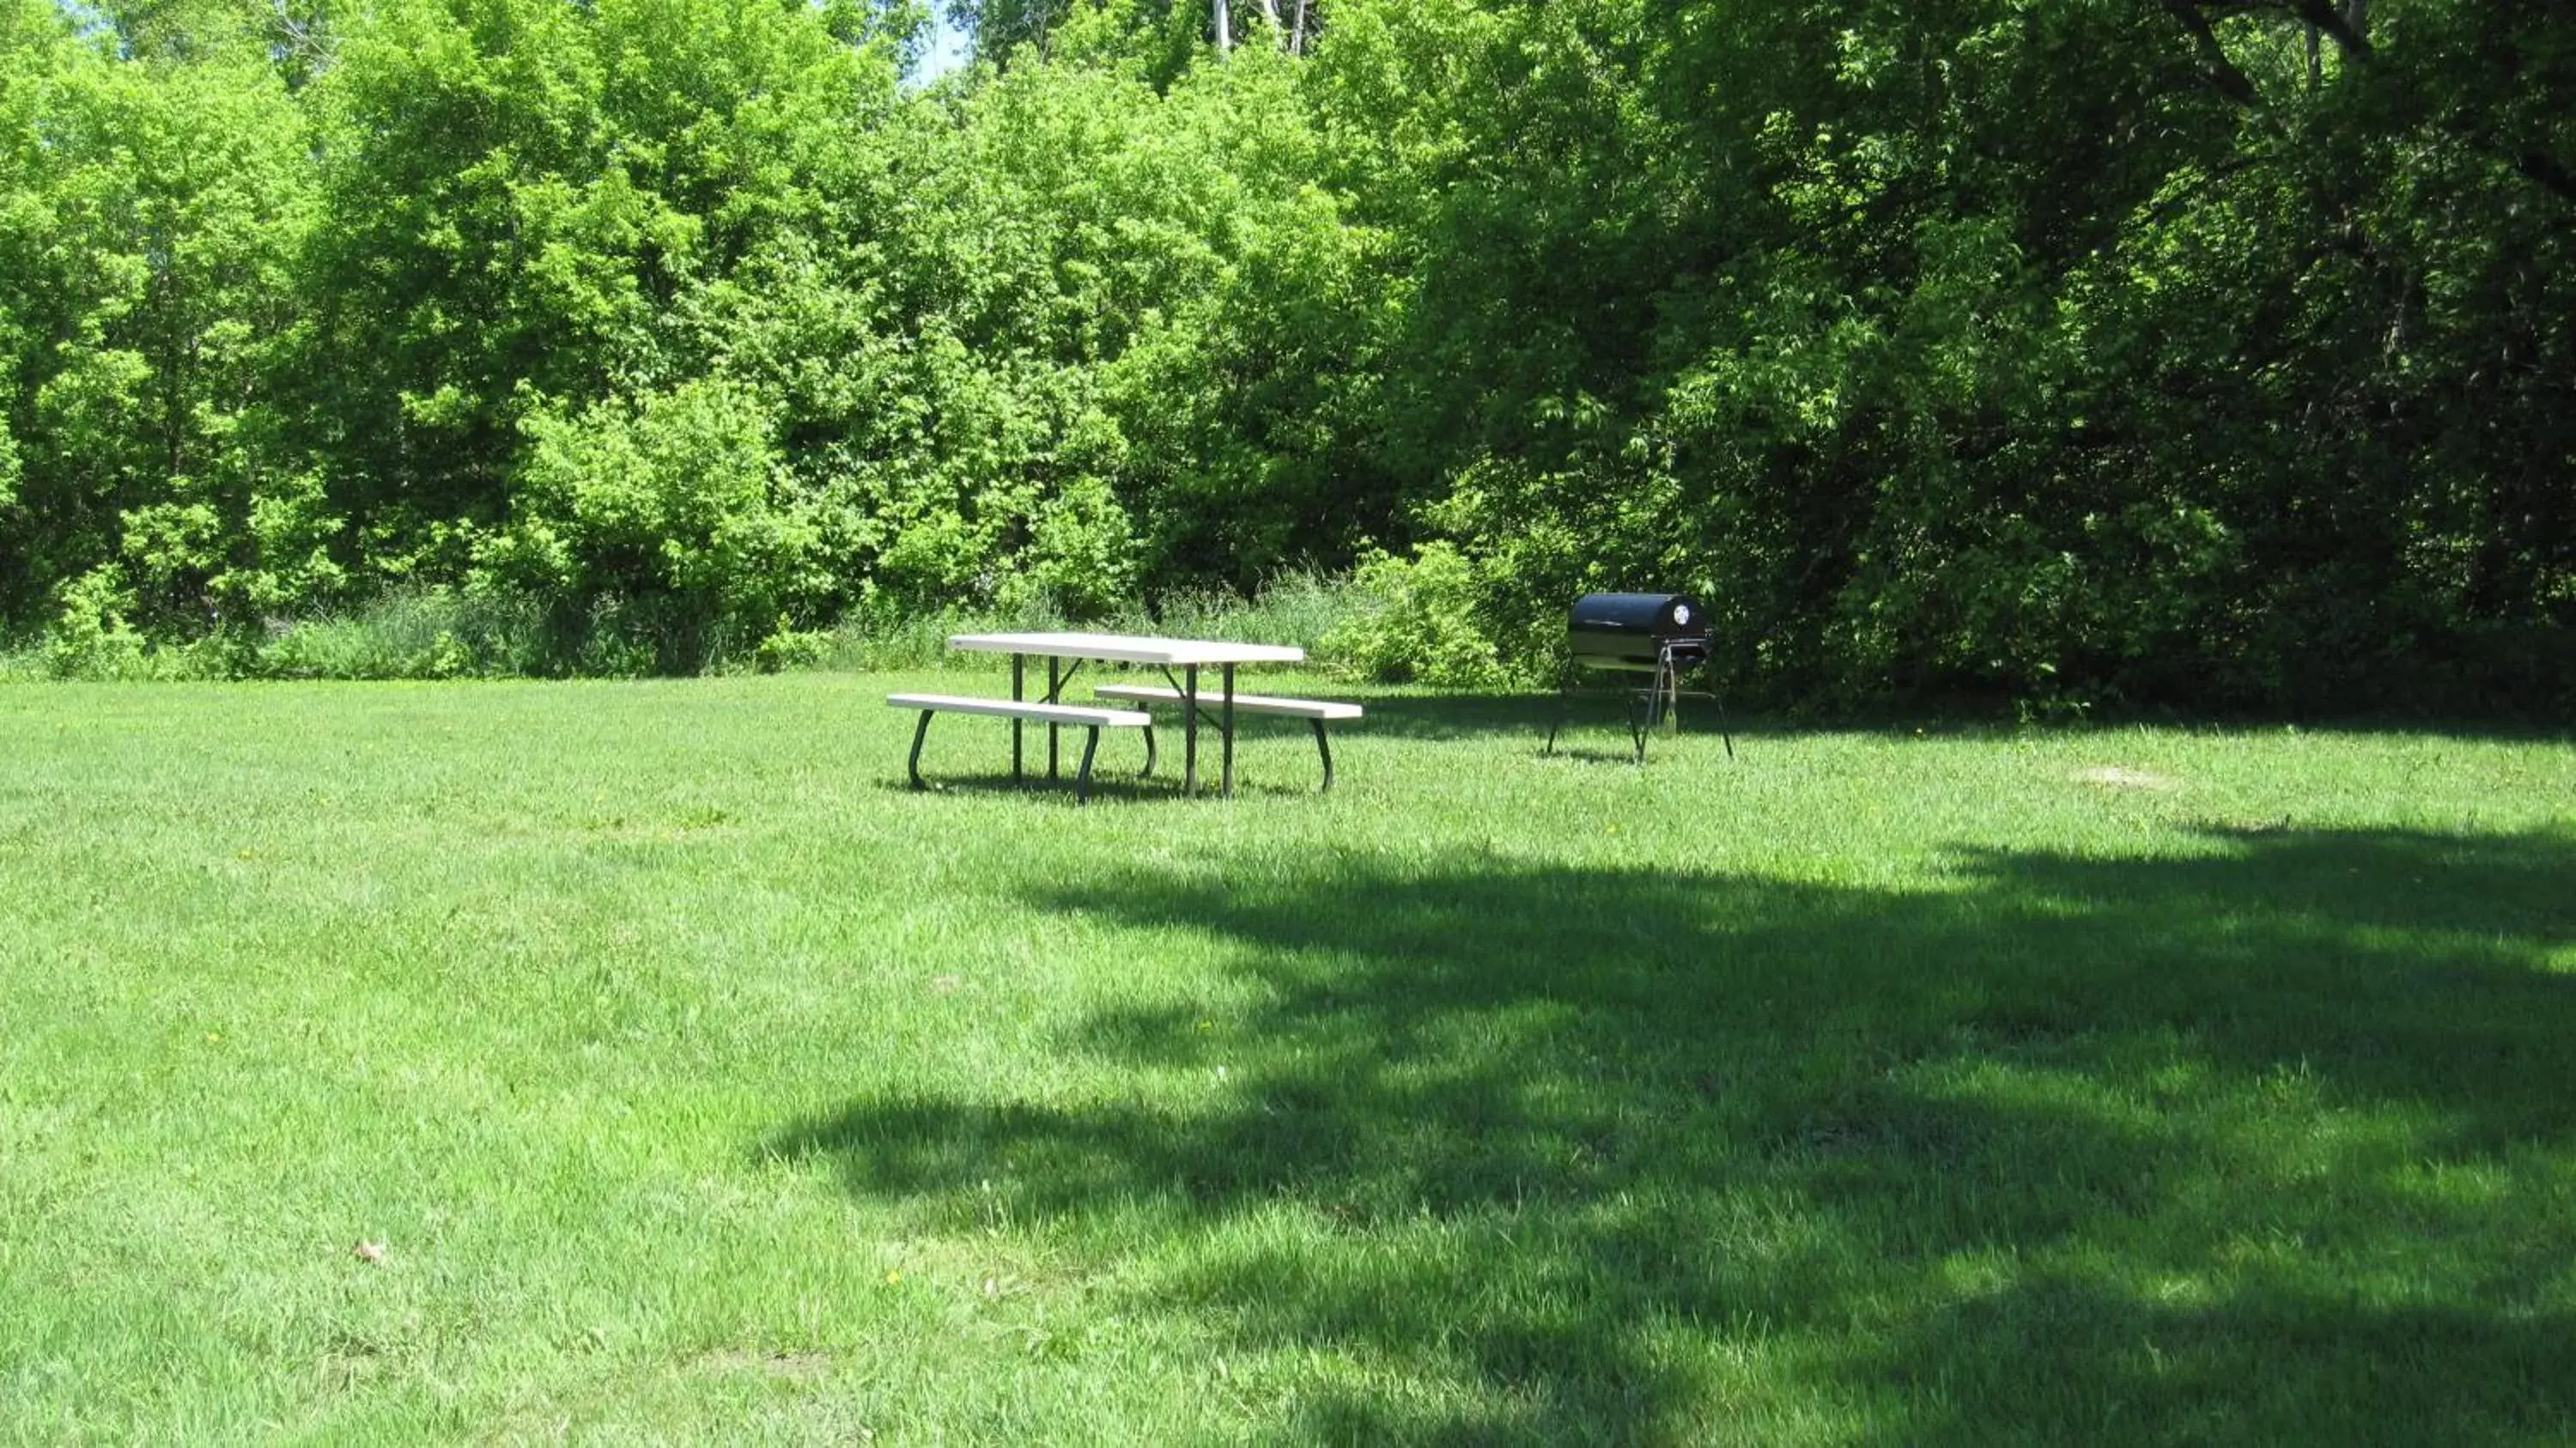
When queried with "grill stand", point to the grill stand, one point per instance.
{"points": [[1659, 702]]}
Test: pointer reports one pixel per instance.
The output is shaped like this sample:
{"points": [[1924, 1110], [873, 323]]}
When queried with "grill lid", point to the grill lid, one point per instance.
{"points": [[1636, 630], [1653, 615]]}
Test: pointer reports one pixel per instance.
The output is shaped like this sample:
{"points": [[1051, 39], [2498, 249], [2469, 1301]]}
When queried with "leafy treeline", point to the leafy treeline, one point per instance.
{"points": [[2201, 352]]}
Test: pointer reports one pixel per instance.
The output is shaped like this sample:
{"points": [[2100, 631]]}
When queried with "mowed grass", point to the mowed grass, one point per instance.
{"points": [[701, 1083]]}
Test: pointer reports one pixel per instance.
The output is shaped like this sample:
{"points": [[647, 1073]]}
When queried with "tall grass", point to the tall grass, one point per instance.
{"points": [[414, 634], [1300, 608], [444, 633]]}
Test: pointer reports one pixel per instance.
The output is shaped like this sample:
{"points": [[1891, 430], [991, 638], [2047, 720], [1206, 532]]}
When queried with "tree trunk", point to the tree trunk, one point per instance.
{"points": [[1297, 38], [2342, 23], [1224, 29]]}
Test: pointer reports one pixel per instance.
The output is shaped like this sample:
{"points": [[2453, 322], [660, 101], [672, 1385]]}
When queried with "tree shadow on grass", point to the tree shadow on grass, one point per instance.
{"points": [[2272, 1143]]}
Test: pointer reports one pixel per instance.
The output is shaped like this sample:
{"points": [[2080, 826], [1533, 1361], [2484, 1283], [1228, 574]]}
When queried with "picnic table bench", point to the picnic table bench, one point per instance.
{"points": [[1317, 712], [1052, 715]]}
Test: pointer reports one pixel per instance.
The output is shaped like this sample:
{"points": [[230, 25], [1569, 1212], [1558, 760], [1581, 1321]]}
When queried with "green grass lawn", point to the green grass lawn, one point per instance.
{"points": [[703, 1084]]}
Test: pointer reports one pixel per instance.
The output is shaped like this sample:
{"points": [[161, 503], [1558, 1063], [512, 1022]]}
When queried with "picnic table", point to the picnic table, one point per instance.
{"points": [[1189, 656]]}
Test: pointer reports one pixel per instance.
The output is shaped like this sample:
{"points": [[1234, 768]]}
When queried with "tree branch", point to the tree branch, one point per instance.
{"points": [[2545, 171], [2230, 80], [2329, 18]]}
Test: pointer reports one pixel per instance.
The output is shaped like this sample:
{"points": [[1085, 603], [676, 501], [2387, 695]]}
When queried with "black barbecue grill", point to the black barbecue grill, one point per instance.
{"points": [[1660, 635]]}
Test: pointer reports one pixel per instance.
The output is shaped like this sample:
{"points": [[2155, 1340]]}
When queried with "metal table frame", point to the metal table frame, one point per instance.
{"points": [[1187, 655]]}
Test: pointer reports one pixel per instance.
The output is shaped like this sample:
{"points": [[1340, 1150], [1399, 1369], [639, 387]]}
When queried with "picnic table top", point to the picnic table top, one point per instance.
{"points": [[1128, 648]]}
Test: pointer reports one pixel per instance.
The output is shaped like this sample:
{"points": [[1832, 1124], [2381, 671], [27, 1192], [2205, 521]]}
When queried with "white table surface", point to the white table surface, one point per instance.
{"points": [[1127, 648]]}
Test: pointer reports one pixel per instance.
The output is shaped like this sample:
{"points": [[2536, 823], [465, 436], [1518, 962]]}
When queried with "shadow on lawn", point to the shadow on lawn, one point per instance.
{"points": [[2271, 1144]]}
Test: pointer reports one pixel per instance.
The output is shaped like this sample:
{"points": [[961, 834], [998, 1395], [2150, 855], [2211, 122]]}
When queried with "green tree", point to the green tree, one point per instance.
{"points": [[150, 215]]}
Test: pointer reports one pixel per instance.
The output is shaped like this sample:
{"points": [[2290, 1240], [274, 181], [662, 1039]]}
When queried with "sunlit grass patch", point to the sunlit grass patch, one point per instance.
{"points": [[644, 1061]]}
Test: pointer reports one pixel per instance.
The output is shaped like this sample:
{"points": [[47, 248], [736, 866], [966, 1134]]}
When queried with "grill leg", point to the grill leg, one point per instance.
{"points": [[1082, 781], [912, 766], [1564, 710], [1324, 746]]}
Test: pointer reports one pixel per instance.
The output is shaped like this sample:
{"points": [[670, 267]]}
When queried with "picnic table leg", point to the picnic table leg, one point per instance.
{"points": [[1019, 666], [1189, 731], [1324, 747], [1055, 686], [920, 732], [1082, 781], [1228, 731]]}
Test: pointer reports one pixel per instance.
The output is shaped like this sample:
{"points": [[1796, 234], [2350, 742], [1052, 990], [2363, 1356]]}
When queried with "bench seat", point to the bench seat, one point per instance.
{"points": [[1316, 712], [1243, 703], [1091, 720], [1022, 709]]}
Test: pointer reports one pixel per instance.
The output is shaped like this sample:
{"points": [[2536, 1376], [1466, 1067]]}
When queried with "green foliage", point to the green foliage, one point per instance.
{"points": [[93, 636], [674, 509], [1932, 397], [150, 216], [1417, 620], [2088, 353]]}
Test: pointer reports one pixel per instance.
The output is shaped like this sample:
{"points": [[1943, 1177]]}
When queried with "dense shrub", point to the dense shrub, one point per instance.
{"points": [[677, 509], [1417, 619]]}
